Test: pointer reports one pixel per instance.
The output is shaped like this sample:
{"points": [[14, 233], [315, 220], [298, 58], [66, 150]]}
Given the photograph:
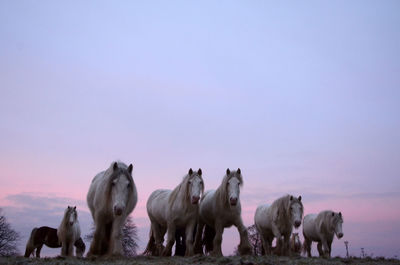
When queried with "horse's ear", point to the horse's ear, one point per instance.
{"points": [[190, 172], [333, 214], [239, 171], [69, 207], [199, 172], [228, 172], [74, 207], [291, 197], [115, 166], [340, 214], [130, 169], [299, 198]]}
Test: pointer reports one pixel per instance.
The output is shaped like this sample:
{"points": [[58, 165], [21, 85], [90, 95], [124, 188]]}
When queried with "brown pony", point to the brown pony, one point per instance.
{"points": [[48, 236]]}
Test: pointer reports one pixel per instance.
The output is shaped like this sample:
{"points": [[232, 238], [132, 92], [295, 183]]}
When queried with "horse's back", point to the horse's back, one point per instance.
{"points": [[157, 205], [260, 216], [309, 226]]}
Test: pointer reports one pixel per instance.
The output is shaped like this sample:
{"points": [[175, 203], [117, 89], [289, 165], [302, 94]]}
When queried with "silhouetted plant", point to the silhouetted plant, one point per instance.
{"points": [[8, 238]]}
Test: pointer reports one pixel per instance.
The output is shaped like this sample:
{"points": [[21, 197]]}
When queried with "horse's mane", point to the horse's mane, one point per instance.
{"points": [[333, 220], [64, 223], [282, 206], [183, 187], [112, 174], [222, 193]]}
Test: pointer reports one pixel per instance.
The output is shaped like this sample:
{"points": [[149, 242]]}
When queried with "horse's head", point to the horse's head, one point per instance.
{"points": [[337, 224], [234, 182], [71, 215], [296, 210], [195, 185], [121, 187]]}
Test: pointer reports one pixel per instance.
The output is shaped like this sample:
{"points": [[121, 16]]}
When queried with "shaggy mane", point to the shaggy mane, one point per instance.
{"points": [[222, 191]]}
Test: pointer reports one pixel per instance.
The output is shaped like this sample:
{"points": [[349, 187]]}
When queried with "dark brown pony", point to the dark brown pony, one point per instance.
{"points": [[48, 236]]}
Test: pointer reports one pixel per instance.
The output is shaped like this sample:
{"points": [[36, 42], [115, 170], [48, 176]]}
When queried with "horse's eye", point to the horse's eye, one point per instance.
{"points": [[112, 184], [129, 185], [291, 207]]}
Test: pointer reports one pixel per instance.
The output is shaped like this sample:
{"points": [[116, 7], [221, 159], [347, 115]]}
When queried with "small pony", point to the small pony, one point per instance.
{"points": [[69, 231], [219, 209], [322, 228], [112, 196], [48, 236], [170, 210], [278, 220]]}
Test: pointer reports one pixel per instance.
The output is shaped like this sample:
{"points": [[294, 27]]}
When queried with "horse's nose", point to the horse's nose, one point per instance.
{"points": [[117, 210], [233, 201], [340, 235], [297, 223], [195, 199], [71, 223]]}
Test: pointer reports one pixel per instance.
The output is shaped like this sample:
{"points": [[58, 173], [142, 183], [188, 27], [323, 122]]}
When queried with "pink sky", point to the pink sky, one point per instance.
{"points": [[303, 98]]}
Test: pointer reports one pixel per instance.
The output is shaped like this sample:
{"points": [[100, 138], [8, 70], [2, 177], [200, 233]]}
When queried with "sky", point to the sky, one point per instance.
{"points": [[304, 97]]}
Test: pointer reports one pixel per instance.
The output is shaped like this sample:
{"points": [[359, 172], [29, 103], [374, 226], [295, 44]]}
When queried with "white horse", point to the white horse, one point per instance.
{"points": [[278, 220], [169, 210], [69, 231], [219, 209], [111, 198], [322, 228]]}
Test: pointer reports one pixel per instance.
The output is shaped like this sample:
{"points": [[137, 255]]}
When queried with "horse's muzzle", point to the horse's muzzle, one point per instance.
{"points": [[340, 235], [117, 211], [71, 223], [195, 199], [297, 224], [233, 201]]}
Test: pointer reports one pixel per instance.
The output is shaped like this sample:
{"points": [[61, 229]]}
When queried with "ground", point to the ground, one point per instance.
{"points": [[203, 260]]}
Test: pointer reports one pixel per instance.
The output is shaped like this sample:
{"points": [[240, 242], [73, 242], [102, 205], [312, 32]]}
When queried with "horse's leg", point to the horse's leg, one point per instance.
{"points": [[63, 248], [115, 247], [38, 249], [325, 247], [330, 246], [320, 251], [286, 245], [170, 239], [266, 249], [98, 237], [158, 238], [244, 245], [307, 246], [70, 249], [198, 248], [189, 237], [219, 230]]}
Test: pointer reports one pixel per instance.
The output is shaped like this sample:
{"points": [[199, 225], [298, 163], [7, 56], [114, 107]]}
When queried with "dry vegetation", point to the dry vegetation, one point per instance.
{"points": [[204, 260]]}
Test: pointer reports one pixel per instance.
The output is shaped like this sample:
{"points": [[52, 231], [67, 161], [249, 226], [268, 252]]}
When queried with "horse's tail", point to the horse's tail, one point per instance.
{"points": [[304, 247], [79, 247], [151, 245], [208, 238], [30, 245]]}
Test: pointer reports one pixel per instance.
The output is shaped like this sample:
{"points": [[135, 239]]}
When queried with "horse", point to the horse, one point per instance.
{"points": [[295, 244], [170, 210], [69, 231], [219, 209], [112, 196], [322, 228], [48, 236], [278, 220]]}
